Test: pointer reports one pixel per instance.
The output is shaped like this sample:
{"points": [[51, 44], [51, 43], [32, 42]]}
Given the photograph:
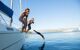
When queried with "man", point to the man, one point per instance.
{"points": [[23, 19]]}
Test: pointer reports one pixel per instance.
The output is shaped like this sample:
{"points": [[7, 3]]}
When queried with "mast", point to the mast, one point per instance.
{"points": [[11, 4], [20, 6]]}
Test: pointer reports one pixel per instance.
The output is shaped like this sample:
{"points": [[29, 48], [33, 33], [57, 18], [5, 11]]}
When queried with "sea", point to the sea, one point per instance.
{"points": [[52, 41]]}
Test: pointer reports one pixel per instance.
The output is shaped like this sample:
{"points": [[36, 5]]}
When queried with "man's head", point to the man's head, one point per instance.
{"points": [[27, 10]]}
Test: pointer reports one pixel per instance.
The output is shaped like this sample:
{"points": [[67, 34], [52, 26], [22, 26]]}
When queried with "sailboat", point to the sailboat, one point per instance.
{"points": [[10, 37]]}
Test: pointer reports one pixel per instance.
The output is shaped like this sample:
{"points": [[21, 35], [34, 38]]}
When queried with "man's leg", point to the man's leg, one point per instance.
{"points": [[22, 28], [24, 25], [29, 27]]}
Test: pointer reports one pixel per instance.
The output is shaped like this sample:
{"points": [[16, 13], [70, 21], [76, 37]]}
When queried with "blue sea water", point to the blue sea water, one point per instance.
{"points": [[53, 41]]}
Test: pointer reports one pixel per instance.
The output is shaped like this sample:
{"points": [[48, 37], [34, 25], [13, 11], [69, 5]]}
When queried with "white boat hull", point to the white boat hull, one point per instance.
{"points": [[11, 39]]}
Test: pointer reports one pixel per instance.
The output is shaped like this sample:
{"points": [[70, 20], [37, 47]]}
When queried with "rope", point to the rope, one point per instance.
{"points": [[43, 45], [7, 21], [3, 19]]}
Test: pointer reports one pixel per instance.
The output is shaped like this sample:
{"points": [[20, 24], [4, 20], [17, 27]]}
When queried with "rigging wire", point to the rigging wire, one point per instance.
{"points": [[3, 19]]}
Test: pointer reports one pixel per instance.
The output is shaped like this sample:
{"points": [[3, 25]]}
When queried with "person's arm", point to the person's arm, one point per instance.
{"points": [[22, 15], [26, 18]]}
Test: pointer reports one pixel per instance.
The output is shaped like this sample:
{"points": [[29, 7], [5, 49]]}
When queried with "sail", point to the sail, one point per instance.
{"points": [[6, 10]]}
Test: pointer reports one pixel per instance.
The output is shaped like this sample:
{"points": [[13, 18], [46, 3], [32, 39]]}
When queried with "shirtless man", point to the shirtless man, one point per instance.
{"points": [[23, 19]]}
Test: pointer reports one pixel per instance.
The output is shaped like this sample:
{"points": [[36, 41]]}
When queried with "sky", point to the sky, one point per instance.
{"points": [[48, 14]]}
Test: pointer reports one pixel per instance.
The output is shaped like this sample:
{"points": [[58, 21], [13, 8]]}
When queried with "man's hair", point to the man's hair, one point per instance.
{"points": [[27, 9]]}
